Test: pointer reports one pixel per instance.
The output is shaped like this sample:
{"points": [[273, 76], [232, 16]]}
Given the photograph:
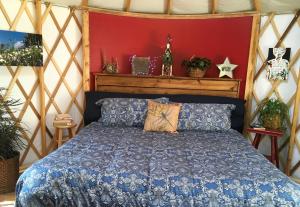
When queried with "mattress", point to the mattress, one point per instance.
{"points": [[110, 166]]}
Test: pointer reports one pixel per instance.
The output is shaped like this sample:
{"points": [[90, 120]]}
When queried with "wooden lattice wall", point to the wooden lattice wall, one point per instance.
{"points": [[62, 85], [280, 31]]}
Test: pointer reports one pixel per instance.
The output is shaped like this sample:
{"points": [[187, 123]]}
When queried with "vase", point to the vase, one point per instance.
{"points": [[196, 73], [272, 122], [9, 174]]}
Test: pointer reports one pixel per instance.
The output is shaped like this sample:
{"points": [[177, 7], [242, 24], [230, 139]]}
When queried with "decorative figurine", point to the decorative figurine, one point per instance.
{"points": [[167, 59], [226, 68], [111, 68]]}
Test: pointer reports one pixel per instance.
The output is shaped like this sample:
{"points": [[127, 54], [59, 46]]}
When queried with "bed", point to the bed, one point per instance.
{"points": [[125, 166], [108, 166]]}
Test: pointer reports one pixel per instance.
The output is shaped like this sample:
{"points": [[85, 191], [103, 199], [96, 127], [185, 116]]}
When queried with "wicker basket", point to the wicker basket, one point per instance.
{"points": [[272, 122], [9, 173], [196, 73]]}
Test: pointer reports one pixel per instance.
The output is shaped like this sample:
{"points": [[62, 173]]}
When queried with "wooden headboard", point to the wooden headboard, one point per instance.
{"points": [[123, 83]]}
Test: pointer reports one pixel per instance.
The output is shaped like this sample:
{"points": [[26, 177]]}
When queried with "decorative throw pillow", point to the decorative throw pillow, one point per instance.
{"points": [[124, 111], [212, 117], [162, 117]]}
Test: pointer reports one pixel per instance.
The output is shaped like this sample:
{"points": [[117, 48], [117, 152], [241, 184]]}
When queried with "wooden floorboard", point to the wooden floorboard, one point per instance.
{"points": [[7, 200]]}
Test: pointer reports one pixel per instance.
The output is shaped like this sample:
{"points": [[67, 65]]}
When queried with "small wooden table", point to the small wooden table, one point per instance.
{"points": [[59, 134], [274, 134]]}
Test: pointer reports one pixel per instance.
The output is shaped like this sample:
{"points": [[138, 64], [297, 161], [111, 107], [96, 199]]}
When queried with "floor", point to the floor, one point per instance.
{"points": [[7, 200]]}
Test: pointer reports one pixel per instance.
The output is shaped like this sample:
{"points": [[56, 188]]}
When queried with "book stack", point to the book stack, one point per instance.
{"points": [[63, 120], [257, 127]]}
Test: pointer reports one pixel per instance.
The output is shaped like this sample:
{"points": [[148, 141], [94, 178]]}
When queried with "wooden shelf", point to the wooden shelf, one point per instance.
{"points": [[126, 83]]}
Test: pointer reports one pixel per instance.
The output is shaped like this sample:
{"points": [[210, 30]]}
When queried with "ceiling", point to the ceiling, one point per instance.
{"points": [[188, 6]]}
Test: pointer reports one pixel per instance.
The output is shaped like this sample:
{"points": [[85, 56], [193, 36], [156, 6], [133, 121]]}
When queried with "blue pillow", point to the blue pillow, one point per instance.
{"points": [[125, 111], [211, 117]]}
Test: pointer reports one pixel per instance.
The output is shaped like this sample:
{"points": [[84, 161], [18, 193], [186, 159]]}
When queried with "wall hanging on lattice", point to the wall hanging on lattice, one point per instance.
{"points": [[278, 63]]}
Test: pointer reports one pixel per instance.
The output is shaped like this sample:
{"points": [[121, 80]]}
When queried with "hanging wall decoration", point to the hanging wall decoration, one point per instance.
{"points": [[278, 63], [226, 68], [167, 59], [20, 49]]}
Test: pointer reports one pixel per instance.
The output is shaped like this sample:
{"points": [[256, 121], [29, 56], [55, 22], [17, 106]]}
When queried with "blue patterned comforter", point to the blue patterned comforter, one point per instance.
{"points": [[104, 166]]}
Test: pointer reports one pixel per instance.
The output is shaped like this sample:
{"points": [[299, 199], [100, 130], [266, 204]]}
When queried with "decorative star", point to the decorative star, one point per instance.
{"points": [[226, 68]]}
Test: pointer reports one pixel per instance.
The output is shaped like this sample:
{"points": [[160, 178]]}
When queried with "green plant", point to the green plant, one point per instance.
{"points": [[10, 129], [197, 63], [272, 109]]}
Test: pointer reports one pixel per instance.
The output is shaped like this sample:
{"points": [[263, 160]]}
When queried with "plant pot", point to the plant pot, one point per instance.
{"points": [[272, 122], [196, 73], [9, 174]]}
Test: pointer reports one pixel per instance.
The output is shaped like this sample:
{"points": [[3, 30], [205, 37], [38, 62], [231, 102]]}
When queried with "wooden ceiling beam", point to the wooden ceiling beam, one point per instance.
{"points": [[214, 4], [256, 5], [166, 16], [127, 4], [169, 7]]}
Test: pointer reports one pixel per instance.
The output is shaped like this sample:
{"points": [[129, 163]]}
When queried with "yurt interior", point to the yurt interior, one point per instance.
{"points": [[182, 103]]}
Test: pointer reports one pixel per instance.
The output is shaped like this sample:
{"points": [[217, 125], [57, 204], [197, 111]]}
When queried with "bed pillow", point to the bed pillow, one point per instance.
{"points": [[162, 117], [211, 117], [124, 111]]}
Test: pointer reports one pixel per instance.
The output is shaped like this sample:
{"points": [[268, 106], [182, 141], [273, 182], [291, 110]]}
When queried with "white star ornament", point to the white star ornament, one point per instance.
{"points": [[226, 68]]}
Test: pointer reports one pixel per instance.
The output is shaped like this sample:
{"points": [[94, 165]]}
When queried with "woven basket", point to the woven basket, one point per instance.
{"points": [[9, 173], [196, 73], [272, 122]]}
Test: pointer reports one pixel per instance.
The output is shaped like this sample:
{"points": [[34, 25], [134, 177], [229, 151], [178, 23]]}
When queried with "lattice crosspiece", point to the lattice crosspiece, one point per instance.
{"points": [[64, 95], [283, 90]]}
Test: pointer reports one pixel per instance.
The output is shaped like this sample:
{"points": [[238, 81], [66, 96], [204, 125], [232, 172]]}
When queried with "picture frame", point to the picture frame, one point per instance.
{"points": [[140, 65], [20, 49], [278, 63]]}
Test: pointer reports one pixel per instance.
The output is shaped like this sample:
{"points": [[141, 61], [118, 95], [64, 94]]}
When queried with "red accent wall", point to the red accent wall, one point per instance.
{"points": [[121, 37]]}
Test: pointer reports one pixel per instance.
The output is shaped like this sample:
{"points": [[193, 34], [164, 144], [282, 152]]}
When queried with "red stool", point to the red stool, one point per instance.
{"points": [[274, 134]]}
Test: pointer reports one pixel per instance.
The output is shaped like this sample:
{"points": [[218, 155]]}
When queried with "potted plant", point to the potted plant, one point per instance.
{"points": [[197, 66], [10, 143], [273, 114]]}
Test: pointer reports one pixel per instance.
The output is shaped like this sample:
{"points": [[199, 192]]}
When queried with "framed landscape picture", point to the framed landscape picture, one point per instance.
{"points": [[20, 49]]}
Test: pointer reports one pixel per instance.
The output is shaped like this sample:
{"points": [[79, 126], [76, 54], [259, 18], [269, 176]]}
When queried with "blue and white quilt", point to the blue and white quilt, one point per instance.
{"points": [[110, 166]]}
